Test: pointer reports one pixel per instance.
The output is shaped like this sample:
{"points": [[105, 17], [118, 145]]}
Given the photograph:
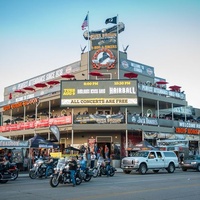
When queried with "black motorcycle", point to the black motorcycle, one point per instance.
{"points": [[39, 169], [85, 174], [61, 174], [8, 173]]}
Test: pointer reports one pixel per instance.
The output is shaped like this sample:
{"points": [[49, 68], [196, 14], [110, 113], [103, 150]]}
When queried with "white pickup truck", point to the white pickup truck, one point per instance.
{"points": [[142, 161]]}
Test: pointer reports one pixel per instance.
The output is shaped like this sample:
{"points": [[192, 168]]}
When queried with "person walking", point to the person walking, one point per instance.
{"points": [[72, 169]]}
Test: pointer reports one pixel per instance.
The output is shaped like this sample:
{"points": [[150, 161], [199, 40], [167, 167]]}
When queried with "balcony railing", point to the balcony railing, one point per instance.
{"points": [[99, 119]]}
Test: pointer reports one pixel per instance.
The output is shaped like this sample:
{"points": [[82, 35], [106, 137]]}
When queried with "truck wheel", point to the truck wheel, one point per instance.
{"points": [[126, 172], [171, 168], [143, 168], [198, 167]]}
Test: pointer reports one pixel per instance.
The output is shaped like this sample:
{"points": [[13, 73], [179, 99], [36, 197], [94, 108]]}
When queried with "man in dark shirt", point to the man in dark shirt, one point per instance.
{"points": [[72, 169]]}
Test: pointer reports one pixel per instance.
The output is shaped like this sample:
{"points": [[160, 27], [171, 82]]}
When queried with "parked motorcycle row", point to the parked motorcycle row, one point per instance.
{"points": [[58, 171]]}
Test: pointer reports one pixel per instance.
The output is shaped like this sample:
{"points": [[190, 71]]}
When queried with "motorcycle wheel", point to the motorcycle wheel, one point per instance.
{"points": [[32, 175], [54, 181], [112, 172], [14, 175], [95, 172], [103, 171], [87, 178], [78, 181]]}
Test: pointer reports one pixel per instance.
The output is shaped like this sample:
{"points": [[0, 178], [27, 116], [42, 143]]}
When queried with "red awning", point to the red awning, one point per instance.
{"points": [[96, 73], [19, 91], [68, 76], [40, 85], [29, 88], [130, 75], [162, 82], [54, 82], [175, 87]]}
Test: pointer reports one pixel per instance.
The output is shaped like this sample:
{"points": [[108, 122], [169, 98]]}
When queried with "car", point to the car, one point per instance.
{"points": [[145, 160], [191, 162]]}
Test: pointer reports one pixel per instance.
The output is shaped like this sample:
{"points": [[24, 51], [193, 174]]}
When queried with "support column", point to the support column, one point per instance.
{"points": [[126, 142]]}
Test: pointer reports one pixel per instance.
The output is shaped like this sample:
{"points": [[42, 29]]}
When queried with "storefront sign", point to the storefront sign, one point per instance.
{"points": [[13, 143], [142, 120], [160, 91], [20, 104], [43, 78], [189, 125], [187, 131], [99, 93], [37, 124], [99, 119], [131, 66]]}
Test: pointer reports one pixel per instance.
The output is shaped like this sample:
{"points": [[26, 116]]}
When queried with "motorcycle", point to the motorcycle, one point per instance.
{"points": [[9, 173], [86, 174], [100, 169], [39, 169], [61, 174]]}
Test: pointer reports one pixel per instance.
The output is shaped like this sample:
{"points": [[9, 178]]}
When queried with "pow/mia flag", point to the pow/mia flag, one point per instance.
{"points": [[112, 20]]}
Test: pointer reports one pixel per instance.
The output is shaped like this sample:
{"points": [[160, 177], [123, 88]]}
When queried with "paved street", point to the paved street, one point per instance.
{"points": [[162, 186]]}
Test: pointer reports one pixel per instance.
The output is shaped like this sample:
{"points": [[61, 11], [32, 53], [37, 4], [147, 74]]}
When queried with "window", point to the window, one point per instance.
{"points": [[152, 155], [169, 154], [159, 154]]}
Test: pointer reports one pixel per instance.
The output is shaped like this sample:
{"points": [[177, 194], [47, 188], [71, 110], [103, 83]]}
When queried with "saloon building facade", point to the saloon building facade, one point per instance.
{"points": [[103, 99]]}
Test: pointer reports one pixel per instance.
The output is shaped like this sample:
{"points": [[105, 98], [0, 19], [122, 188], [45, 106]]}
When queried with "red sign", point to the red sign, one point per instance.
{"points": [[37, 124], [191, 131]]}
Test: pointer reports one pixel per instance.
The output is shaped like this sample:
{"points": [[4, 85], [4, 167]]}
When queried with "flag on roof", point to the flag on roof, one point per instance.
{"points": [[112, 20], [85, 23]]}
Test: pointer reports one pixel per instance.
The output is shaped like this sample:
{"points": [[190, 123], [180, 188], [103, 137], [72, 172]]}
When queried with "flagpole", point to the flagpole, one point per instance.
{"points": [[117, 46], [88, 46]]}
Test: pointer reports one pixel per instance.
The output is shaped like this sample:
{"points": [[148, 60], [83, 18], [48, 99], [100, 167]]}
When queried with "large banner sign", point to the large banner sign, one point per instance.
{"points": [[99, 93], [37, 124], [131, 66], [99, 119]]}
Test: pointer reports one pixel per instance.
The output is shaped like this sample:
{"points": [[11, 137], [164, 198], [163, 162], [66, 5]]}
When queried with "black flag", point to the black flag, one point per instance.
{"points": [[55, 131], [111, 20]]}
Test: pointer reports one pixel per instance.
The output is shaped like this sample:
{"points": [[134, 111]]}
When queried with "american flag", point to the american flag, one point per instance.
{"points": [[85, 23]]}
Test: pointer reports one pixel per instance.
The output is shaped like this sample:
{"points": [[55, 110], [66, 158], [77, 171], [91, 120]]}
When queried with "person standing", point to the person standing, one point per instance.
{"points": [[98, 153], [72, 169], [106, 151]]}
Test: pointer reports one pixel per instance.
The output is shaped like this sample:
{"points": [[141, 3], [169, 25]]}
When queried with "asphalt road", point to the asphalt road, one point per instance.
{"points": [[162, 186]]}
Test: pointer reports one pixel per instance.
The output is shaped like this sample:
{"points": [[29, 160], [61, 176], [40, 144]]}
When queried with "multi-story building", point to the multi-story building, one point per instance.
{"points": [[103, 99]]}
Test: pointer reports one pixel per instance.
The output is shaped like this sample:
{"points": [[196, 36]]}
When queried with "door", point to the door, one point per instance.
{"points": [[160, 160]]}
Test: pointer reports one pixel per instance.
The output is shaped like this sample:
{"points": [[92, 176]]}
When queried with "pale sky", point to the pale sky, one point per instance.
{"points": [[37, 36]]}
